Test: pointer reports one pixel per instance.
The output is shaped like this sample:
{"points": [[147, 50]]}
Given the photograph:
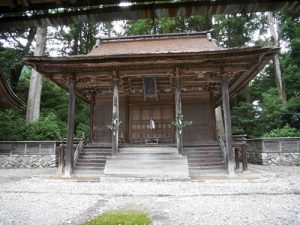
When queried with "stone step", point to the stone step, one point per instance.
{"points": [[95, 154], [92, 157], [140, 178], [201, 148], [209, 172], [145, 173], [200, 160], [148, 162], [98, 168], [209, 155], [99, 145], [134, 162], [84, 164], [205, 157], [95, 151], [141, 153], [91, 160], [202, 152], [199, 167], [88, 173], [206, 164], [204, 171], [149, 150], [144, 157]]}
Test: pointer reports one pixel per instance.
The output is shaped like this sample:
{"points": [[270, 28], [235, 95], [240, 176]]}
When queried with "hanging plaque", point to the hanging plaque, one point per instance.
{"points": [[150, 87]]}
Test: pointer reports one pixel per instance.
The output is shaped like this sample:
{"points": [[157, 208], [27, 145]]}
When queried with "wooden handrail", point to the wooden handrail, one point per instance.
{"points": [[223, 148], [79, 143], [78, 149]]}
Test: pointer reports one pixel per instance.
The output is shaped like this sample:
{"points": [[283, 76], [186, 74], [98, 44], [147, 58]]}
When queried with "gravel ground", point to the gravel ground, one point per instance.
{"points": [[265, 196]]}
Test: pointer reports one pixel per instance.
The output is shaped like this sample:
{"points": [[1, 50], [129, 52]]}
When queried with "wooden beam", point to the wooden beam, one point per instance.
{"points": [[228, 130], [70, 131], [115, 114], [178, 111], [111, 12]]}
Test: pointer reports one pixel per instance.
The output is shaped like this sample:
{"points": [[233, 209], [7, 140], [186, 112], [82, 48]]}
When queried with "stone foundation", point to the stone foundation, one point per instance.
{"points": [[280, 159], [27, 161], [274, 151]]}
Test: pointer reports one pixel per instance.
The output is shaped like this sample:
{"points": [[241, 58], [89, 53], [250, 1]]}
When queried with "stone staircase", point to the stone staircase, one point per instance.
{"points": [[205, 158], [147, 163], [91, 161]]}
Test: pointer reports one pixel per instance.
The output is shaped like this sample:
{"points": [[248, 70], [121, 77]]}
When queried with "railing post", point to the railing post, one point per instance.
{"points": [[237, 160], [61, 158], [25, 148], [54, 148], [11, 148], [244, 158]]}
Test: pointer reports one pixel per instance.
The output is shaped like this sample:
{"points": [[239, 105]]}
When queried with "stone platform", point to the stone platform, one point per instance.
{"points": [[146, 164]]}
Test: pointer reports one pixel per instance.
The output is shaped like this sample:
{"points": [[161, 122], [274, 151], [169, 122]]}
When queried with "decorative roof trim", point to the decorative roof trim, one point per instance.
{"points": [[8, 97]]}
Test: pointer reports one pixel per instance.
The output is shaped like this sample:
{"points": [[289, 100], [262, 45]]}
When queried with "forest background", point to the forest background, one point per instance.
{"points": [[258, 111]]}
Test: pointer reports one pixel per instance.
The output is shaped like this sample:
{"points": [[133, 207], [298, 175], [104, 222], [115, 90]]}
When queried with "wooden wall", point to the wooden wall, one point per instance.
{"points": [[198, 109]]}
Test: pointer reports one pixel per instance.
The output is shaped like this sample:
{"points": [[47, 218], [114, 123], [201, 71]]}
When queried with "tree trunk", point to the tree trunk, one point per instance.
{"points": [[35, 88], [276, 62]]}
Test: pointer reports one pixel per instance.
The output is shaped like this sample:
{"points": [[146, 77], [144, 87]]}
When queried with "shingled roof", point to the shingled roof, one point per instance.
{"points": [[198, 58], [155, 45]]}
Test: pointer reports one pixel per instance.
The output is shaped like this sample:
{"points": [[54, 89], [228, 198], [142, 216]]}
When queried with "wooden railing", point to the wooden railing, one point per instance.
{"points": [[28, 147], [239, 145], [223, 148], [78, 145], [79, 149]]}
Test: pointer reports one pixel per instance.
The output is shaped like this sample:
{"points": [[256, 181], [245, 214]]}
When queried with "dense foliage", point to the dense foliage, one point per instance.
{"points": [[260, 111], [53, 122], [257, 111]]}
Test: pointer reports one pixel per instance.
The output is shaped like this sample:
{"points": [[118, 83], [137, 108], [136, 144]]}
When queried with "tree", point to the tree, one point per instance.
{"points": [[276, 62], [168, 25], [36, 81], [16, 39]]}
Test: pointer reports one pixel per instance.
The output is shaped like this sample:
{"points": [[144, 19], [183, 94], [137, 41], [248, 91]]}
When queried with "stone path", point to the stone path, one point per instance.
{"points": [[28, 196]]}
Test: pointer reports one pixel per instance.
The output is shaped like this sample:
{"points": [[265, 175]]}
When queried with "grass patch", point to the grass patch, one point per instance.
{"points": [[121, 217]]}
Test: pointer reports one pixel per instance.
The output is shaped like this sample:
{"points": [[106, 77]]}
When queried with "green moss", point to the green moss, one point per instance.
{"points": [[121, 217]]}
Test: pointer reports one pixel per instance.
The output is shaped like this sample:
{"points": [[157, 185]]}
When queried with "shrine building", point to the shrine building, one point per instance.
{"points": [[141, 89]]}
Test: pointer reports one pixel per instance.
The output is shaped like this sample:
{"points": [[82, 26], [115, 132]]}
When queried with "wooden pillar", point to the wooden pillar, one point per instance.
{"points": [[115, 114], [92, 118], [227, 123], [213, 116], [70, 131], [219, 122], [178, 111]]}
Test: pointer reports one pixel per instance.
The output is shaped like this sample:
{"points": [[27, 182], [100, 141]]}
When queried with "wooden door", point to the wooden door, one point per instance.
{"points": [[162, 115]]}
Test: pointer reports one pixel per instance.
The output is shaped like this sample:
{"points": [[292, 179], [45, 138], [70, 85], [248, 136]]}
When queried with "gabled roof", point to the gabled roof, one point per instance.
{"points": [[8, 97], [158, 44], [200, 62]]}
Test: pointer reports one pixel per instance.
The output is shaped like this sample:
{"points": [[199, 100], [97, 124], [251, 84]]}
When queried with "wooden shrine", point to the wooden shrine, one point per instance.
{"points": [[139, 85]]}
